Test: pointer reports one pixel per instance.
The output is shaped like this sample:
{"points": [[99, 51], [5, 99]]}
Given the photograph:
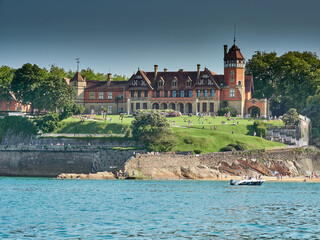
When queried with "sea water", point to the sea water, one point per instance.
{"points": [[38, 208]]}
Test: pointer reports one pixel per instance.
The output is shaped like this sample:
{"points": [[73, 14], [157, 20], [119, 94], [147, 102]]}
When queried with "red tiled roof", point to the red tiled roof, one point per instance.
{"points": [[181, 76], [77, 77], [234, 54], [104, 86]]}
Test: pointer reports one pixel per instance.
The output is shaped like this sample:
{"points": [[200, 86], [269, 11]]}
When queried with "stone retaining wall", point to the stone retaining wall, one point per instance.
{"points": [[50, 161]]}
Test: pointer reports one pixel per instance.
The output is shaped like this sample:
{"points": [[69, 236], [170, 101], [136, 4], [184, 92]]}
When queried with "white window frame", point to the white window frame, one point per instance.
{"points": [[232, 93], [109, 95]]}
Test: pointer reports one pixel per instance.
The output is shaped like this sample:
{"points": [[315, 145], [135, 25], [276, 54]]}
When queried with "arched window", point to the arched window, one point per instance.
{"points": [[160, 83], [174, 83]]}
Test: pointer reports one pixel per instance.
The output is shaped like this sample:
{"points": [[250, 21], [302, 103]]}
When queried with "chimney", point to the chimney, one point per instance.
{"points": [[165, 70], [180, 70], [198, 70], [225, 47], [109, 77], [155, 71]]}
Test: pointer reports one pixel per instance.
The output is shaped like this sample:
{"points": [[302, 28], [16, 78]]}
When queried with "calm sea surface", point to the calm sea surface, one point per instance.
{"points": [[113, 209]]}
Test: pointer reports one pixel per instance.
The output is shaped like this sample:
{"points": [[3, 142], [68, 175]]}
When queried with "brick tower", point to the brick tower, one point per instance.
{"points": [[234, 78], [79, 85]]}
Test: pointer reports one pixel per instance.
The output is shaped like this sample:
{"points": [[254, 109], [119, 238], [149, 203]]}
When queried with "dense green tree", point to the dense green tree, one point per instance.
{"points": [[6, 76], [287, 81], [261, 66], [154, 130], [26, 82], [291, 118], [89, 74], [313, 112], [54, 93]]}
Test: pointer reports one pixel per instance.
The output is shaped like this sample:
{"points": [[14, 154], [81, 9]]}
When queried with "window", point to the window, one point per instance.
{"points": [[139, 93], [198, 107], [231, 92], [100, 95], [174, 94], [137, 106], [160, 83], [109, 109], [157, 93], [198, 93], [190, 93], [109, 95], [212, 93], [146, 93], [211, 107], [174, 83], [182, 94], [232, 72], [144, 105], [188, 83], [132, 93], [239, 83], [132, 108], [204, 107], [232, 79], [8, 105], [205, 93], [91, 95], [165, 93]]}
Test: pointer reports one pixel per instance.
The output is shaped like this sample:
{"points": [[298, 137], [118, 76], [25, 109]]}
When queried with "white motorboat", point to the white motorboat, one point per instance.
{"points": [[250, 181]]}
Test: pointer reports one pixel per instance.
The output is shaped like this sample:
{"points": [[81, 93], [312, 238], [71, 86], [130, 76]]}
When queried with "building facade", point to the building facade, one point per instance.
{"points": [[12, 105], [199, 91]]}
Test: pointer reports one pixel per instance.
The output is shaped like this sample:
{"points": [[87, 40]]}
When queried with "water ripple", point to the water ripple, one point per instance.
{"points": [[51, 209]]}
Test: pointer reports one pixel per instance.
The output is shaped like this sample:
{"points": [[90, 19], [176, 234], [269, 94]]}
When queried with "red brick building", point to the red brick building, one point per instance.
{"points": [[13, 106], [186, 91]]}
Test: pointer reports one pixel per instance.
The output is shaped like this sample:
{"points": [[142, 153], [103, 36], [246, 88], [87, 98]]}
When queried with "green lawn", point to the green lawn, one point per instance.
{"points": [[198, 136]]}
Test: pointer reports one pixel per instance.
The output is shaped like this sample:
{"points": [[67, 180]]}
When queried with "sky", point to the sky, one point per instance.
{"points": [[120, 36]]}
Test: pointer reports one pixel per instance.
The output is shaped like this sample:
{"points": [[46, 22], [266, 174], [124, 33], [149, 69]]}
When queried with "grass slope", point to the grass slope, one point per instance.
{"points": [[198, 136]]}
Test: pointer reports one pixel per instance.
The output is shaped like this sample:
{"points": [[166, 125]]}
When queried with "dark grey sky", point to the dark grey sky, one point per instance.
{"points": [[123, 35]]}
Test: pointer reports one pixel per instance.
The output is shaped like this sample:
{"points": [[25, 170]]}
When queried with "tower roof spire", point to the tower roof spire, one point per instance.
{"points": [[234, 33]]}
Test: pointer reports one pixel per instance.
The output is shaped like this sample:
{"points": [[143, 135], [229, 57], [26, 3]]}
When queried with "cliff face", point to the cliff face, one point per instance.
{"points": [[287, 162]]}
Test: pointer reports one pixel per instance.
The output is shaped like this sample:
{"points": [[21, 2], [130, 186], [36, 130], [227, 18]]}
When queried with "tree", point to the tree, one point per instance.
{"points": [[26, 82], [154, 130], [313, 112], [54, 93], [287, 81], [261, 66], [291, 118], [6, 76]]}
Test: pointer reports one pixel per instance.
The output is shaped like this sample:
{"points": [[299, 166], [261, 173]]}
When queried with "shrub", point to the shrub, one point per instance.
{"points": [[223, 111], [188, 141], [17, 125], [154, 130], [197, 151], [227, 149], [70, 110], [260, 127], [48, 123], [234, 146]]}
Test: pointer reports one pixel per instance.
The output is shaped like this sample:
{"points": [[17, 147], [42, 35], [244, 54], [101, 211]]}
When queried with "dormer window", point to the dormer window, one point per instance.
{"points": [[160, 83], [174, 83], [189, 82]]}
